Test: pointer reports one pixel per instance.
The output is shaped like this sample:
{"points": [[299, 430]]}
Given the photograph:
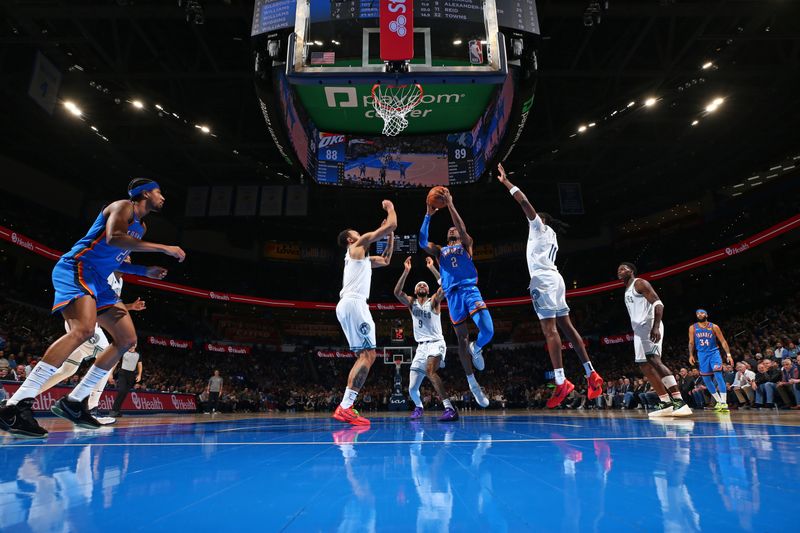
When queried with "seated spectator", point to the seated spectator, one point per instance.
{"points": [[742, 385], [627, 393], [698, 392], [765, 384], [790, 376]]}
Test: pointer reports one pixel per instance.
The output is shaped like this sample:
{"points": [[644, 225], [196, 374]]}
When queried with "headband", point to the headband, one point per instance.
{"points": [[149, 186], [701, 311]]}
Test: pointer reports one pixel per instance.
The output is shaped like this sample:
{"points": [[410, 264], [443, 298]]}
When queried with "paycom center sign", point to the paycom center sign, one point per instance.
{"points": [[444, 108]]}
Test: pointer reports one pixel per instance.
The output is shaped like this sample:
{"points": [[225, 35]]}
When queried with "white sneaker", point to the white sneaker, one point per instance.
{"points": [[662, 410], [480, 397], [106, 420], [477, 357], [685, 410]]}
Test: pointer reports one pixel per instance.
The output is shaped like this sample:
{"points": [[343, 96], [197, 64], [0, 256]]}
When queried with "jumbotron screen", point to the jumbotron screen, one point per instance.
{"points": [[397, 162]]}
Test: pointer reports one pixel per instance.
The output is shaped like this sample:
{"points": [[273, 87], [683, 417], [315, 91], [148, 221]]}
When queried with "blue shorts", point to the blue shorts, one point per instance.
{"points": [[463, 302], [709, 362], [75, 279]]}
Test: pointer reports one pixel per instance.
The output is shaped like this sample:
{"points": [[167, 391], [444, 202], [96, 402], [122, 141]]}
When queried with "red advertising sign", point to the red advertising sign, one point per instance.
{"points": [[170, 343], [335, 354], [137, 401], [616, 339], [227, 348], [567, 345], [397, 29]]}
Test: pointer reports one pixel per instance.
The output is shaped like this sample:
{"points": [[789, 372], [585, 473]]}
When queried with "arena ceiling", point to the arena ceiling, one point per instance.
{"points": [[633, 161]]}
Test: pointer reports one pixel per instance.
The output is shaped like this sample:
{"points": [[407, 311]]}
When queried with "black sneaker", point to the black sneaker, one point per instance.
{"points": [[75, 412], [18, 420]]}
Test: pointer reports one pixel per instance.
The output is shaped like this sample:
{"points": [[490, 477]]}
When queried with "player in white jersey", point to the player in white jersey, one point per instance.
{"points": [[646, 312], [426, 313], [352, 309], [549, 296], [89, 350]]}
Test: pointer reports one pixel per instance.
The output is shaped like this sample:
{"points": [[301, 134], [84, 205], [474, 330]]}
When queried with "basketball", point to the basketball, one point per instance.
{"points": [[436, 196]]}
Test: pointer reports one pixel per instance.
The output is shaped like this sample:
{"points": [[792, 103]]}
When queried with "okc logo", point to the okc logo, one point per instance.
{"points": [[364, 328], [398, 26]]}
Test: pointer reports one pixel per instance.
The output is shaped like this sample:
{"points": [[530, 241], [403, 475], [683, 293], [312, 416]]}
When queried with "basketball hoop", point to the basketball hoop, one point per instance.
{"points": [[393, 102]]}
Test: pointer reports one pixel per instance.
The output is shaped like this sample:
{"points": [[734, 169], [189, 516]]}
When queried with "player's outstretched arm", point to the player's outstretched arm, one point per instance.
{"points": [[118, 215], [378, 261], [154, 272], [458, 222], [387, 227], [401, 296], [691, 345], [424, 243], [723, 342], [644, 288], [432, 267], [518, 195]]}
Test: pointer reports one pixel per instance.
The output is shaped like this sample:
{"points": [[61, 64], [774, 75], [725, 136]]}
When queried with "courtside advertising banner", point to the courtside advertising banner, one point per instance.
{"points": [[138, 401]]}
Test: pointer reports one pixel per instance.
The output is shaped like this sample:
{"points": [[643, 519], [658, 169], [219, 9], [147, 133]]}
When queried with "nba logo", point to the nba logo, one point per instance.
{"points": [[476, 52]]}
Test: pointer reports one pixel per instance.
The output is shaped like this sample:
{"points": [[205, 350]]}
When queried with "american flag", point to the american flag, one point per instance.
{"points": [[323, 58]]}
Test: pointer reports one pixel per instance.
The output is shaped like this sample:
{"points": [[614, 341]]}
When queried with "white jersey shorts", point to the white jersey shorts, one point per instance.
{"points": [[357, 323], [643, 346], [549, 294], [426, 350], [91, 348]]}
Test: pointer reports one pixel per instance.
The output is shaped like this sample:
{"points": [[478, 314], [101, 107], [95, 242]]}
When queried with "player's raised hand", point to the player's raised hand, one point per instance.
{"points": [[156, 272], [176, 252], [429, 262], [431, 210], [138, 305], [387, 205], [407, 264], [501, 177], [448, 198]]}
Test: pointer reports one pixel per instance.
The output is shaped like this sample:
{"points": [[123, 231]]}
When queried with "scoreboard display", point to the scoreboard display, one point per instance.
{"points": [[271, 15], [403, 244]]}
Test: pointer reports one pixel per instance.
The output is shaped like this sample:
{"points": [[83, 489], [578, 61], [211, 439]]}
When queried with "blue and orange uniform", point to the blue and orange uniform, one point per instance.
{"points": [[460, 283], [708, 355], [84, 270]]}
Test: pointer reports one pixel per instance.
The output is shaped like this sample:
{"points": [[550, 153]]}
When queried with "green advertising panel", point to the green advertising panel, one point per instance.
{"points": [[348, 108]]}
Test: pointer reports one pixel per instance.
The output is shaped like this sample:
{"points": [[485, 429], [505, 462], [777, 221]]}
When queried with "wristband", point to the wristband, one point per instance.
{"points": [[513, 190]]}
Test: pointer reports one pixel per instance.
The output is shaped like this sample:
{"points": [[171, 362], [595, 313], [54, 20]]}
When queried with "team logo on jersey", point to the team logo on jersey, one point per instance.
{"points": [[364, 328], [535, 294], [442, 349]]}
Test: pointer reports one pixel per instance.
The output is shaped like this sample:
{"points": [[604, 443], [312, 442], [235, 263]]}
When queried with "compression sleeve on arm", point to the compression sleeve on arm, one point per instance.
{"points": [[423, 232], [128, 268]]}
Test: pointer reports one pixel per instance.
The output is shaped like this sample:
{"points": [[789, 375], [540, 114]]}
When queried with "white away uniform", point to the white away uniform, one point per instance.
{"points": [[428, 334], [352, 309], [548, 292], [642, 314]]}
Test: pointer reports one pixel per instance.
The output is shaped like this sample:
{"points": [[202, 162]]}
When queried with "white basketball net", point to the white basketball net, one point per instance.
{"points": [[393, 102]]}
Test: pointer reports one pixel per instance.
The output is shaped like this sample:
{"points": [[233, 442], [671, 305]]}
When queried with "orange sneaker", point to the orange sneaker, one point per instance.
{"points": [[560, 394], [595, 385], [350, 416]]}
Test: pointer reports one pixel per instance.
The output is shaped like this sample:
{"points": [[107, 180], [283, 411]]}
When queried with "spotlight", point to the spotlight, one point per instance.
{"points": [[650, 102], [707, 65], [631, 104], [457, 42], [137, 104], [205, 129], [695, 122], [714, 105], [582, 128], [72, 108]]}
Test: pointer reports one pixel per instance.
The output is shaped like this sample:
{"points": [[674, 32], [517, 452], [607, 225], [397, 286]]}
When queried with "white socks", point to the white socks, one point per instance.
{"points": [[723, 397], [87, 384], [560, 378], [669, 381], [588, 368], [41, 373], [349, 398], [447, 404], [94, 397], [64, 371], [415, 380]]}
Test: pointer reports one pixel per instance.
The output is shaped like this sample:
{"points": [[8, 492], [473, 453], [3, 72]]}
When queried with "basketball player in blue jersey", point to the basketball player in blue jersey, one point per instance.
{"points": [[84, 298], [703, 337], [460, 285]]}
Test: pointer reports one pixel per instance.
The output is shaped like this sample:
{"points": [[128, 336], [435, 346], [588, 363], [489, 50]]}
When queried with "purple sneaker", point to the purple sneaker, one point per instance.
{"points": [[418, 413], [449, 415]]}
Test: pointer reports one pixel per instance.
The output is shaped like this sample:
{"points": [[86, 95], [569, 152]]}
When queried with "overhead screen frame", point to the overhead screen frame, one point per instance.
{"points": [[299, 73]]}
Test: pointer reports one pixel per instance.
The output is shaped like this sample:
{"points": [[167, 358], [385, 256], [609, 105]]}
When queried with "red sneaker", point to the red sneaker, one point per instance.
{"points": [[350, 416], [560, 394], [595, 385]]}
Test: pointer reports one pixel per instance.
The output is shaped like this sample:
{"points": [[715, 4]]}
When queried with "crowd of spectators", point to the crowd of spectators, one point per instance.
{"points": [[764, 344]]}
